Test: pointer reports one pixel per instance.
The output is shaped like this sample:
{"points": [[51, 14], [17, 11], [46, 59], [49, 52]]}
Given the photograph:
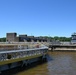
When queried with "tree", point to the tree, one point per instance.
{"points": [[2, 39]]}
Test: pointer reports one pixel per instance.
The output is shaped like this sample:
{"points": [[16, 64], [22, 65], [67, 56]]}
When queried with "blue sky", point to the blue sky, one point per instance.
{"points": [[38, 17]]}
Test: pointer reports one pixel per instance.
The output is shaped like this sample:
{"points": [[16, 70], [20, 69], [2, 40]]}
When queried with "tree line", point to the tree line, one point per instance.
{"points": [[3, 39], [62, 39]]}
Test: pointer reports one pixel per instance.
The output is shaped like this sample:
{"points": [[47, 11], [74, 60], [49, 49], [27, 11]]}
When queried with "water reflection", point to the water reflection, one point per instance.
{"points": [[23, 69], [63, 63]]}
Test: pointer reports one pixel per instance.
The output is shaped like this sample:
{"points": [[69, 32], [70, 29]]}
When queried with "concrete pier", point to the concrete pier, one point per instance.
{"points": [[20, 55], [62, 47]]}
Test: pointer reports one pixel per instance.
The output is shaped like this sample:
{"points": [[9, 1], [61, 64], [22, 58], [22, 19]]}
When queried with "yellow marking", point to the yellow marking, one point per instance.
{"points": [[18, 59]]}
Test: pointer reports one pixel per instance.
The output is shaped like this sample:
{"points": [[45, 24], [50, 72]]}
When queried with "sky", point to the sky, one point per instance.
{"points": [[38, 17]]}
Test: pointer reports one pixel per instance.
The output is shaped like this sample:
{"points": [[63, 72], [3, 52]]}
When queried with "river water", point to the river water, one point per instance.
{"points": [[58, 63]]}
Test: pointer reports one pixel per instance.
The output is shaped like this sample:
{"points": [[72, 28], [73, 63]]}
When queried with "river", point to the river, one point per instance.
{"points": [[58, 63]]}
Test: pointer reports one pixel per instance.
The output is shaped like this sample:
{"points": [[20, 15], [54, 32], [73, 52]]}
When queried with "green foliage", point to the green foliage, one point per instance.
{"points": [[2, 39], [62, 39]]}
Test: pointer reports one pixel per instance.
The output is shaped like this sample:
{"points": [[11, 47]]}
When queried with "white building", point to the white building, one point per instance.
{"points": [[73, 38]]}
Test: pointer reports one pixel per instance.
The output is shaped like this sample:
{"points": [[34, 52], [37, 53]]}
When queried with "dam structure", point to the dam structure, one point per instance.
{"points": [[12, 37], [14, 55], [22, 50]]}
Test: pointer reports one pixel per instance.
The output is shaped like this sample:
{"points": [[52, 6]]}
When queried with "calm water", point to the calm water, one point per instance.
{"points": [[58, 63]]}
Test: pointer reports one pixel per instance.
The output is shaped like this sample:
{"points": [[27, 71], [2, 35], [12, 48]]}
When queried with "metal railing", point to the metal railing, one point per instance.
{"points": [[13, 54]]}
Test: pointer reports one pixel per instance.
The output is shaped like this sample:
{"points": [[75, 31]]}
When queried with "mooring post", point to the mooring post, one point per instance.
{"points": [[52, 48]]}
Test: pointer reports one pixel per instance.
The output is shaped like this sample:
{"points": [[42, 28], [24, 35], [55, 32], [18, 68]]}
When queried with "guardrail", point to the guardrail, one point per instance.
{"points": [[15, 54]]}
